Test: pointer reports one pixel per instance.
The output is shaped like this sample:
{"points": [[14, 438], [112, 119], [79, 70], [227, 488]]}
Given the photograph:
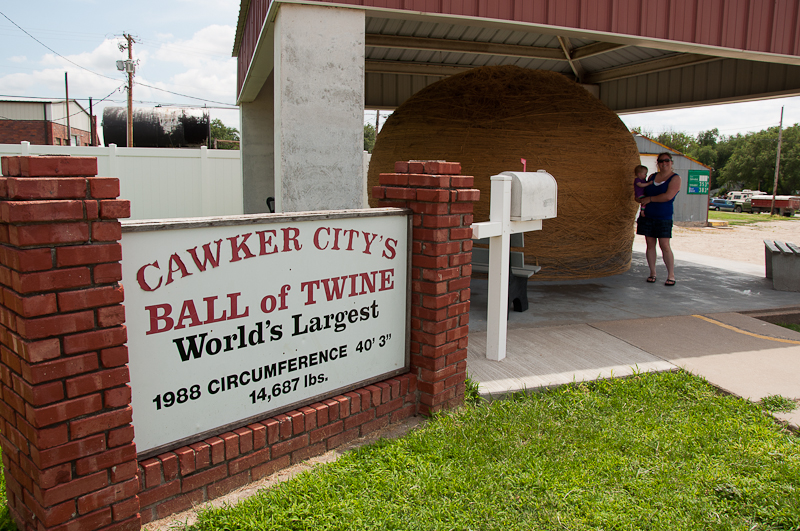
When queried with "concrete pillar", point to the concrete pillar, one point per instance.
{"points": [[258, 149], [441, 267], [65, 414], [319, 107]]}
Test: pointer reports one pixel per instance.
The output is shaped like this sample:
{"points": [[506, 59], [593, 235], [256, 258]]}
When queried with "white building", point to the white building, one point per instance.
{"points": [[691, 203]]}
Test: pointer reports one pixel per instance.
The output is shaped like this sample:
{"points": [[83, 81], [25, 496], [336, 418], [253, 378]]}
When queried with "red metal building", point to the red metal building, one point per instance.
{"points": [[634, 54], [44, 122]]}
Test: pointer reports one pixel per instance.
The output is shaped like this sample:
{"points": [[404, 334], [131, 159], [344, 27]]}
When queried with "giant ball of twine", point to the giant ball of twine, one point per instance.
{"points": [[489, 118]]}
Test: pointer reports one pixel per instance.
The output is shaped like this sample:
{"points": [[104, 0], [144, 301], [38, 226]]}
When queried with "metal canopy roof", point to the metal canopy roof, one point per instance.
{"points": [[405, 55], [407, 50]]}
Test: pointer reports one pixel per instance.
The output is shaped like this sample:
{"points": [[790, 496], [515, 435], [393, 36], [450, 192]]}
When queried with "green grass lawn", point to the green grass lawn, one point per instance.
{"points": [[654, 451], [6, 523], [744, 218], [791, 326]]}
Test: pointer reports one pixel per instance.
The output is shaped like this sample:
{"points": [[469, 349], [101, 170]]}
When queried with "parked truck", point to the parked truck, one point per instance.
{"points": [[739, 197], [785, 205]]}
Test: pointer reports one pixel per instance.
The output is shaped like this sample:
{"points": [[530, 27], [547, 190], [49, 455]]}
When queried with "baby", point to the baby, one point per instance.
{"points": [[640, 182]]}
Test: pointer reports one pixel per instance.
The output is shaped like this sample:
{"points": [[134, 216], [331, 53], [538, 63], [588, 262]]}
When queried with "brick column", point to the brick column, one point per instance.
{"points": [[442, 202], [65, 416]]}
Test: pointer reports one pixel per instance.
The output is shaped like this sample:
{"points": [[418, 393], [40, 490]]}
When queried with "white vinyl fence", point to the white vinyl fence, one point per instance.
{"points": [[162, 182]]}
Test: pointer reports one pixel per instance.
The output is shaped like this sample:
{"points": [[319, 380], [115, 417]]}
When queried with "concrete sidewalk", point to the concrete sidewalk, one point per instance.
{"points": [[599, 328]]}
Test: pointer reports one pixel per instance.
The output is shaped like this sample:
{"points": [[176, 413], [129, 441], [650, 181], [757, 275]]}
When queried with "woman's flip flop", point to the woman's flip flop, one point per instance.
{"points": [[669, 282], [651, 279]]}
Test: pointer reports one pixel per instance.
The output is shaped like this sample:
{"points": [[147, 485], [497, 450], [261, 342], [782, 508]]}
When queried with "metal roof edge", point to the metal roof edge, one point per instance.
{"points": [[621, 38], [675, 151]]}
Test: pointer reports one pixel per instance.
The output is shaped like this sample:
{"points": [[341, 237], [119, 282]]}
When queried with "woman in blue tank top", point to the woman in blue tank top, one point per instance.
{"points": [[655, 223]]}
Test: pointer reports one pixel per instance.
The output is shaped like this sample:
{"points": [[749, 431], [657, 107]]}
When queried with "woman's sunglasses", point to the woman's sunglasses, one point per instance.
{"points": [[662, 161]]}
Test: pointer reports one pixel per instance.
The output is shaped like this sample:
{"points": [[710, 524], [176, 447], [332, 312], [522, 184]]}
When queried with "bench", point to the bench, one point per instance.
{"points": [[782, 264], [519, 272]]}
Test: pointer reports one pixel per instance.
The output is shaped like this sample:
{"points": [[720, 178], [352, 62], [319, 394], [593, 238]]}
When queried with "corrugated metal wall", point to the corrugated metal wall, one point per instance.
{"points": [[386, 91], [17, 110], [77, 117], [714, 82], [767, 26], [717, 81], [56, 112], [257, 13], [762, 26]]}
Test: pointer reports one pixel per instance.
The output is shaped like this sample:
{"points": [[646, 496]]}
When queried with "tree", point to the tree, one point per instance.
{"points": [[219, 131], [676, 140], [789, 175], [708, 138], [752, 161], [743, 161], [369, 137], [706, 150]]}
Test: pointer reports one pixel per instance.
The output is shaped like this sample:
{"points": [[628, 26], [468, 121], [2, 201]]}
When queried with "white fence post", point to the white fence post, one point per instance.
{"points": [[206, 186], [25, 150], [499, 229], [112, 161]]}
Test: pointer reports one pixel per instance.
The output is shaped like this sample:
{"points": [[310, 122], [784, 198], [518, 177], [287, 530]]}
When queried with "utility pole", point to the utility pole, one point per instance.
{"points": [[91, 123], [69, 129], [129, 68], [777, 166]]}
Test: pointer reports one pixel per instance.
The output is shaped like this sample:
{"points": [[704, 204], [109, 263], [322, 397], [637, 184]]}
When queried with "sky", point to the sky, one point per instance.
{"points": [[184, 47]]}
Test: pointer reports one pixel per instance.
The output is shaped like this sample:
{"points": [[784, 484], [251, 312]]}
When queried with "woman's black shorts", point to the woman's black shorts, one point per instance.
{"points": [[654, 228]]}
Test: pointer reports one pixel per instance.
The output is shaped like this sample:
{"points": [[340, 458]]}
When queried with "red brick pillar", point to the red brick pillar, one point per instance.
{"points": [[442, 202], [65, 415]]}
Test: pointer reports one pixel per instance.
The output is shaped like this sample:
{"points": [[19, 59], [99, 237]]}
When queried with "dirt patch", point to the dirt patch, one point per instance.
{"points": [[742, 243]]}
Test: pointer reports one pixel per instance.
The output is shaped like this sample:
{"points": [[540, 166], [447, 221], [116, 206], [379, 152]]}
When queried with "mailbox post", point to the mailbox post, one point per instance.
{"points": [[519, 202]]}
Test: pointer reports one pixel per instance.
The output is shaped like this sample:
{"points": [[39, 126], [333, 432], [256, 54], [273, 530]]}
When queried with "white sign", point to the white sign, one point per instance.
{"points": [[228, 323]]}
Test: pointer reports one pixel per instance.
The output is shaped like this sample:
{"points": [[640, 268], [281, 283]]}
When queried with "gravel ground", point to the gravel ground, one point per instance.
{"points": [[742, 243]]}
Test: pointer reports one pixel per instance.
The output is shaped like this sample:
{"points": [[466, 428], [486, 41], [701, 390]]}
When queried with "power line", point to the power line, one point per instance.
{"points": [[183, 95], [52, 50], [224, 106], [104, 76]]}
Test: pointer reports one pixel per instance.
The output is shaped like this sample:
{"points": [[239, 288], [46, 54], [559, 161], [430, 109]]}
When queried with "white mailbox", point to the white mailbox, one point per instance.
{"points": [[533, 195]]}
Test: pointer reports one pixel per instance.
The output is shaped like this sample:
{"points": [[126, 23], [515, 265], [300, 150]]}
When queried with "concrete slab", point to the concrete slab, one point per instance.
{"points": [[556, 355], [701, 289], [792, 418], [746, 323], [588, 329], [703, 260], [685, 337], [751, 374]]}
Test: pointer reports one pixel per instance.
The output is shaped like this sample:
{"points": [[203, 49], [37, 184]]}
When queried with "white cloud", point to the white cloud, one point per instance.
{"points": [[200, 66], [730, 119], [217, 85], [227, 6], [18, 59], [50, 83], [102, 59], [212, 43]]}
